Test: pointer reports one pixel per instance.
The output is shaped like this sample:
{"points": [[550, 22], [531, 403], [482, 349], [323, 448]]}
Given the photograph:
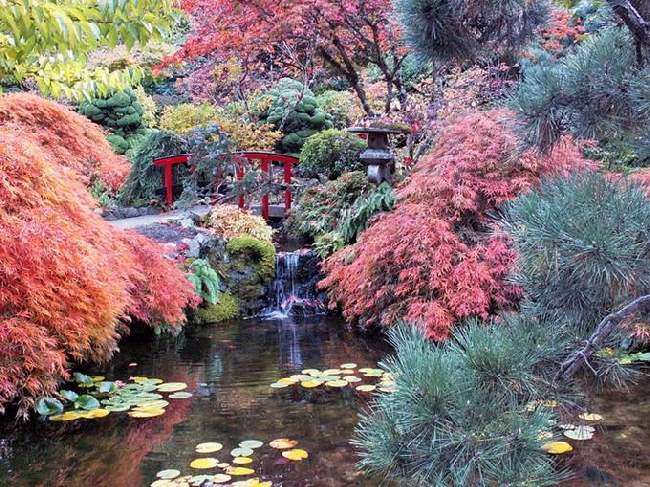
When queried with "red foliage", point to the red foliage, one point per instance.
{"points": [[292, 34], [67, 277], [71, 138], [561, 30], [431, 259]]}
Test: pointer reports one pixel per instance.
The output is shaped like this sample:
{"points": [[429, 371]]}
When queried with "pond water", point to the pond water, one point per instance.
{"points": [[229, 367]]}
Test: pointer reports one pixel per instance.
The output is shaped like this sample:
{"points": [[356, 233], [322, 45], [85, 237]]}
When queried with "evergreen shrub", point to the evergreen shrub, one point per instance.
{"points": [[330, 153]]}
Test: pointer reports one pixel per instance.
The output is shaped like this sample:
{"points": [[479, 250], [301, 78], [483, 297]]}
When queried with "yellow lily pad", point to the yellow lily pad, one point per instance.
{"points": [[146, 413], [98, 378], [287, 380], [96, 413], [203, 463], [168, 474], [557, 447], [221, 478], [223, 465], [238, 471], [591, 417], [156, 404], [295, 455], [242, 460], [309, 384], [172, 386], [311, 372], [349, 366], [366, 388], [67, 416], [332, 372], [283, 443], [208, 447], [336, 383]]}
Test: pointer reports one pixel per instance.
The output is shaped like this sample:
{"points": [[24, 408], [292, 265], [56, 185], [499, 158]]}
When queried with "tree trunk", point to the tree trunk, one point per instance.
{"points": [[634, 21], [576, 360]]}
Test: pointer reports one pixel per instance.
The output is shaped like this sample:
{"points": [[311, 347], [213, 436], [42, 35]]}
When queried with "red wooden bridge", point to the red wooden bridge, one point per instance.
{"points": [[269, 164]]}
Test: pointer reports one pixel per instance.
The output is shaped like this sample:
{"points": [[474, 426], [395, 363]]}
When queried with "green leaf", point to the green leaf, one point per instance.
{"points": [[82, 379], [86, 402], [69, 395], [48, 406], [107, 387]]}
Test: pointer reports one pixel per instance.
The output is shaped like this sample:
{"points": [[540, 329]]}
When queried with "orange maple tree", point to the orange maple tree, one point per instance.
{"points": [[69, 281], [432, 258]]}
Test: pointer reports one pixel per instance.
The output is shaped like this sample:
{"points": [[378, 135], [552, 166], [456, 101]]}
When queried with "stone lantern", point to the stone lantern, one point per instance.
{"points": [[378, 156]]}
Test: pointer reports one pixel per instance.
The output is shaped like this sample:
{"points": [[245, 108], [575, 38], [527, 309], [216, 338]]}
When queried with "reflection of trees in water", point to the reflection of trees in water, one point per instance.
{"points": [[290, 353]]}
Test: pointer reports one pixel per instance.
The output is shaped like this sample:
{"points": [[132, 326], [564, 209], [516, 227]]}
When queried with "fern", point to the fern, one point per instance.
{"points": [[356, 219], [205, 279]]}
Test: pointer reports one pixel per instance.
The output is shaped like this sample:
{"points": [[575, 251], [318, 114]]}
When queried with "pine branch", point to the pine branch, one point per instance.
{"points": [[572, 364]]}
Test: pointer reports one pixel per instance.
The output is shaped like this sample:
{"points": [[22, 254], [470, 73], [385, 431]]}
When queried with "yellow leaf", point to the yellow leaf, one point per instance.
{"points": [[239, 471], [308, 384], [147, 413], [295, 455], [202, 463], [557, 447], [242, 460]]}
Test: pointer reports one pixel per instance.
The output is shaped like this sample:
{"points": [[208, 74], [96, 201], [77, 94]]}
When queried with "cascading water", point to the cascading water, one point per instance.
{"points": [[292, 291]]}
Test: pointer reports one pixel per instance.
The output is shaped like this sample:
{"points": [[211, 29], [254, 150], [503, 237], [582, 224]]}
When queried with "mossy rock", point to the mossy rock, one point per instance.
{"points": [[226, 308], [258, 254]]}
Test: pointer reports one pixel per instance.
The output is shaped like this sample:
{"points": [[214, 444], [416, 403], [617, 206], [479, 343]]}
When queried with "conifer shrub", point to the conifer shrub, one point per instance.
{"points": [[294, 111], [583, 246], [343, 106], [72, 139], [330, 153], [460, 412], [69, 281], [432, 258], [120, 113]]}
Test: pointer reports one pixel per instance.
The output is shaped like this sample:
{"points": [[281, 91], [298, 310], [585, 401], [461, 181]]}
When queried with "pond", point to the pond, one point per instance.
{"points": [[229, 368]]}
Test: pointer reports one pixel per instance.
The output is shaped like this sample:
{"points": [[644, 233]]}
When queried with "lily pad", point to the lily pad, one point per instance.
{"points": [[287, 380], [198, 480], [580, 433], [352, 378], [107, 387], [180, 395], [203, 463], [349, 366], [332, 372], [96, 413], [67, 416], [208, 447], [117, 408], [238, 471], [241, 452], [242, 460], [48, 406], [366, 388], [157, 403], [168, 474], [309, 384], [279, 385], [311, 372], [295, 455], [146, 413], [591, 417], [250, 444], [172, 386], [557, 447], [283, 443], [69, 395], [337, 383], [221, 478], [87, 402]]}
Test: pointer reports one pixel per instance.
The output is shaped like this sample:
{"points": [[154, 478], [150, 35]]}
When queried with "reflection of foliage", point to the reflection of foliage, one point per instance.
{"points": [[261, 254], [320, 208], [68, 277], [229, 221], [295, 112], [330, 153], [583, 247], [81, 147], [425, 433], [205, 280], [145, 179], [430, 259], [226, 308]]}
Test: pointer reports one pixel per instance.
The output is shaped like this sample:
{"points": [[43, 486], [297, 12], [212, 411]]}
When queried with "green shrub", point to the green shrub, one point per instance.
{"points": [[356, 219], [583, 245], [121, 114], [149, 108], [145, 180], [257, 253], [343, 106], [205, 279], [295, 112], [183, 118], [320, 208], [331, 153], [459, 412], [226, 308]]}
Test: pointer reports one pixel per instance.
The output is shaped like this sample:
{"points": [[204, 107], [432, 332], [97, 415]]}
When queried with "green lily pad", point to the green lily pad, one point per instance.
{"points": [[48, 406], [241, 452], [250, 444], [69, 395], [168, 474], [86, 402]]}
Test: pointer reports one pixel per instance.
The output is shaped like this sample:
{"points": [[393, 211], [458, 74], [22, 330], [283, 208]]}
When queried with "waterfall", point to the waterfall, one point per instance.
{"points": [[292, 291]]}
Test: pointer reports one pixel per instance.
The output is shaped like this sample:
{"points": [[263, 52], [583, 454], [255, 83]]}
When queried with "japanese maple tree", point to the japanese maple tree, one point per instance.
{"points": [[297, 36], [432, 259]]}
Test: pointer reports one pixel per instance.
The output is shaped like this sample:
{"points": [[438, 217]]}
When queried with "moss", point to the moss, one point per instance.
{"points": [[226, 308], [257, 253]]}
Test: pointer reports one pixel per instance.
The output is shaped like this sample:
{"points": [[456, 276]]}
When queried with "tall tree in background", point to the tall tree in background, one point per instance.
{"points": [[47, 41], [299, 36]]}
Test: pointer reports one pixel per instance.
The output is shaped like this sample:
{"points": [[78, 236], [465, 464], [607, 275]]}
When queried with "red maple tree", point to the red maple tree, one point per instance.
{"points": [[297, 37], [432, 258]]}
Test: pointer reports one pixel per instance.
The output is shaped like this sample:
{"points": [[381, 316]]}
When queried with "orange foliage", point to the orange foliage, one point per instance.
{"points": [[67, 277], [560, 30], [71, 138], [431, 259]]}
